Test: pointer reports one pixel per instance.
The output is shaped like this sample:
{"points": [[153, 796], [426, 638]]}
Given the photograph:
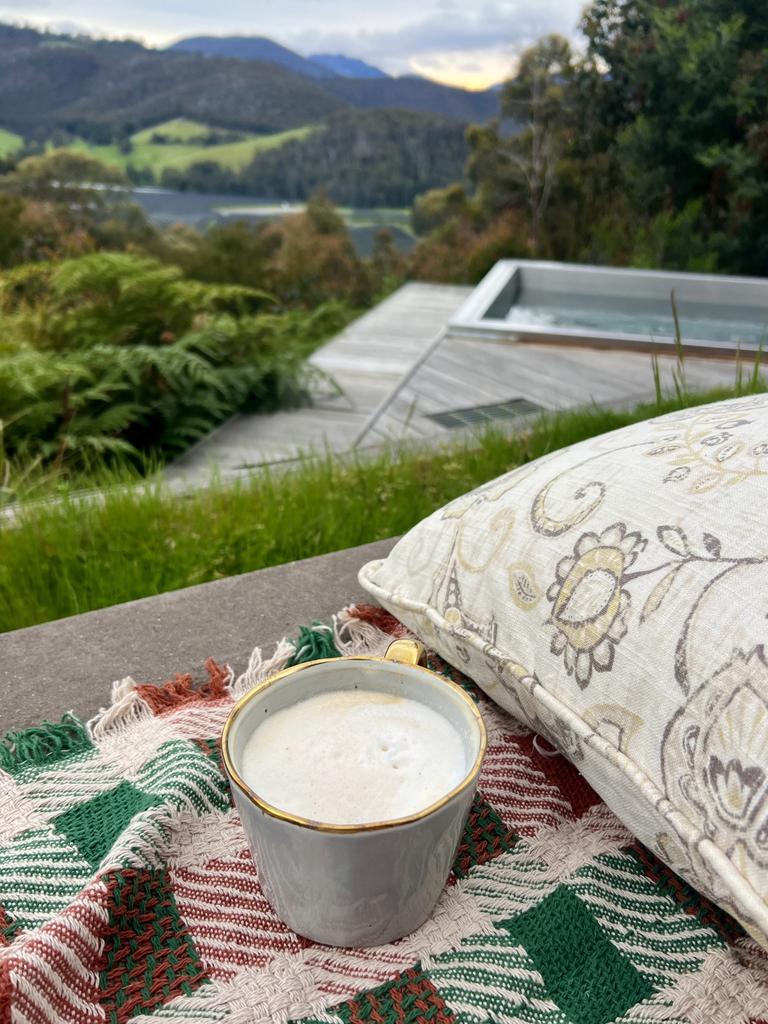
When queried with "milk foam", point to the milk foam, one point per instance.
{"points": [[353, 756]]}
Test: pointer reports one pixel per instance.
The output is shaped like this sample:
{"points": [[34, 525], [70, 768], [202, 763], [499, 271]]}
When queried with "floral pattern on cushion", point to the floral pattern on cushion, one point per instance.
{"points": [[614, 596]]}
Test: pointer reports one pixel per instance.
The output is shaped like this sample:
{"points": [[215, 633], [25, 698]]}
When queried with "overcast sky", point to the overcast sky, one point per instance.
{"points": [[470, 44]]}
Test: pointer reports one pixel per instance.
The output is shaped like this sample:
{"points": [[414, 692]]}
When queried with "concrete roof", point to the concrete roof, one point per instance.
{"points": [[402, 363], [461, 371]]}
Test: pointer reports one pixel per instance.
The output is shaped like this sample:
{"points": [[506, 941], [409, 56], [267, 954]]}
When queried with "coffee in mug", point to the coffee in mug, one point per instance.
{"points": [[354, 756], [353, 778]]}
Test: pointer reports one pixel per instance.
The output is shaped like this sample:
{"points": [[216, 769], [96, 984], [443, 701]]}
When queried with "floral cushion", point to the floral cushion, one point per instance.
{"points": [[614, 596]]}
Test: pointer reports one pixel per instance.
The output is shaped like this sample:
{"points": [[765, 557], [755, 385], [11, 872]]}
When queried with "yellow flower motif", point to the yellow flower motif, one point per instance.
{"points": [[589, 606]]}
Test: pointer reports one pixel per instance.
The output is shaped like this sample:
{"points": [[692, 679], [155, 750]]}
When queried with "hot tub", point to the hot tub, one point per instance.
{"points": [[526, 300]]}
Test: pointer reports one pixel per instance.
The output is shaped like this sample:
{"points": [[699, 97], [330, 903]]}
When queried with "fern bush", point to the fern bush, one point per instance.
{"points": [[117, 355]]}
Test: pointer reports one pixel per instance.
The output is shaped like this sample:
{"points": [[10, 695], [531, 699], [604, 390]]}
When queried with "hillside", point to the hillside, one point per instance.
{"points": [[359, 158], [178, 144], [253, 48], [358, 83], [103, 89], [413, 93], [318, 65], [49, 82]]}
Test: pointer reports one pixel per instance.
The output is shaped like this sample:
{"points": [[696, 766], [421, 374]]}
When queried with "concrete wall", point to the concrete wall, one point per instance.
{"points": [[69, 665]]}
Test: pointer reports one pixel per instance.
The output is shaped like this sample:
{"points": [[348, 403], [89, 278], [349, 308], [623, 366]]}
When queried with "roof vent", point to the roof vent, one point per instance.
{"points": [[478, 415]]}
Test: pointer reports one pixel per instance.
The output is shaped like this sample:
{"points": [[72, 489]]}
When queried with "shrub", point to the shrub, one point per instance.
{"points": [[117, 354]]}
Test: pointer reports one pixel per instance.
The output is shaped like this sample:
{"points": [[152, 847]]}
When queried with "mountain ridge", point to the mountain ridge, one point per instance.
{"points": [[251, 48], [106, 89], [347, 67]]}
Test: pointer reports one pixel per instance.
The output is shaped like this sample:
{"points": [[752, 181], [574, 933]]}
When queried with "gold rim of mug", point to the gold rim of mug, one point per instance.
{"points": [[368, 826]]}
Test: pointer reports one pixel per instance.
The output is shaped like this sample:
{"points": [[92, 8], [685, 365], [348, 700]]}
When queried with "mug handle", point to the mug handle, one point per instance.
{"points": [[409, 652]]}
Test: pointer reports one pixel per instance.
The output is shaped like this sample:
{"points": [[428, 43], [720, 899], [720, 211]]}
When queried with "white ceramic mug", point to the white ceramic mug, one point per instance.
{"points": [[355, 885]]}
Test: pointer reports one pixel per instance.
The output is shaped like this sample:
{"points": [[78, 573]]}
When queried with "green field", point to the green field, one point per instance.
{"points": [[182, 150], [9, 142]]}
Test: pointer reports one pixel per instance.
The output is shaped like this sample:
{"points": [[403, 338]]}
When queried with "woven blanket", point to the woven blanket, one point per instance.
{"points": [[127, 891]]}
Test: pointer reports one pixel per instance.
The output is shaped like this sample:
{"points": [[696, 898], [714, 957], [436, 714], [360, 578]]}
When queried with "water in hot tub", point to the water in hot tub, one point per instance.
{"points": [[628, 314]]}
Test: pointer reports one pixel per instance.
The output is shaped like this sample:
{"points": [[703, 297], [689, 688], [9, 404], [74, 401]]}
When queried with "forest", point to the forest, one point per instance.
{"points": [[358, 158], [647, 146], [121, 342]]}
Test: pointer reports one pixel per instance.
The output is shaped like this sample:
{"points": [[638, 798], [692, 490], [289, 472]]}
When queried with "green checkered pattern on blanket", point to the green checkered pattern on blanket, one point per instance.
{"points": [[127, 892]]}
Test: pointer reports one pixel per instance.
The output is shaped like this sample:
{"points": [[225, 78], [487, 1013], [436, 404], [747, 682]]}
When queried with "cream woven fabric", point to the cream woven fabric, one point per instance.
{"points": [[614, 597]]}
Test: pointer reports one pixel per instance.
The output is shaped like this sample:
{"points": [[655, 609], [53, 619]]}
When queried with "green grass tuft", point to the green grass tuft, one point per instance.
{"points": [[67, 556]]}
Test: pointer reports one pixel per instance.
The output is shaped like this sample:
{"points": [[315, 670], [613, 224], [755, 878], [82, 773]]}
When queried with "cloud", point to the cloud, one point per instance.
{"points": [[473, 70], [474, 48], [70, 28], [470, 43], [498, 27]]}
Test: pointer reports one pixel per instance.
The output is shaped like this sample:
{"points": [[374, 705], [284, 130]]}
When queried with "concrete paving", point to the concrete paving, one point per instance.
{"points": [[69, 665]]}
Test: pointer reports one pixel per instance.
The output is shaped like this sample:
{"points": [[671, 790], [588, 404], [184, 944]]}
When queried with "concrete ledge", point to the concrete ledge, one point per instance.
{"points": [[68, 665]]}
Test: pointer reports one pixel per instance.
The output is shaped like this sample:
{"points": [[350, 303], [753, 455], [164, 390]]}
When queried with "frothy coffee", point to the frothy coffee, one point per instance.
{"points": [[354, 756]]}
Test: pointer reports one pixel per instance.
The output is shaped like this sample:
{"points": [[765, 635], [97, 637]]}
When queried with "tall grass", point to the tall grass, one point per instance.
{"points": [[67, 556], [742, 384]]}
